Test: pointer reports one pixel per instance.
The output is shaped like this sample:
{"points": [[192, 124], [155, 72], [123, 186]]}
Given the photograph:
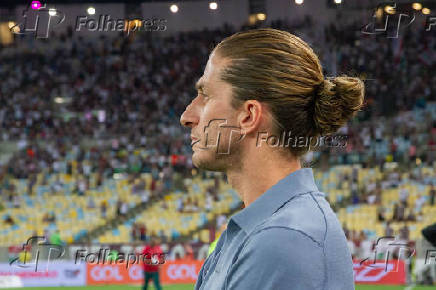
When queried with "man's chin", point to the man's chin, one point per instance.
{"points": [[206, 162]]}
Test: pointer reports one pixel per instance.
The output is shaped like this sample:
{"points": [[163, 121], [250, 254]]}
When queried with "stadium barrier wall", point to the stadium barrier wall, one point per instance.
{"points": [[390, 273], [55, 273], [69, 273], [171, 272]]}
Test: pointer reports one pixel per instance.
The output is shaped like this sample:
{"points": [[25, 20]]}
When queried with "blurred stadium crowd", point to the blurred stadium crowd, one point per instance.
{"points": [[94, 128]]}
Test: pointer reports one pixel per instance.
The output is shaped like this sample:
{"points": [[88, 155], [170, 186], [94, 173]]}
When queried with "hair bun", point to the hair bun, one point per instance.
{"points": [[336, 101], [318, 89]]}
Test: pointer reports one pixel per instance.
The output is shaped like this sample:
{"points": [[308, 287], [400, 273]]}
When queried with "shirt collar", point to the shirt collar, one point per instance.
{"points": [[299, 181]]}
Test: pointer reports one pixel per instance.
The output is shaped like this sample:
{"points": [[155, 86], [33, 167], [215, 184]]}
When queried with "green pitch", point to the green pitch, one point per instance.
{"points": [[191, 286]]}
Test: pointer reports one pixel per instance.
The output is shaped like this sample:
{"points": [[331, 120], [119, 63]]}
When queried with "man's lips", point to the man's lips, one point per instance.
{"points": [[194, 140]]}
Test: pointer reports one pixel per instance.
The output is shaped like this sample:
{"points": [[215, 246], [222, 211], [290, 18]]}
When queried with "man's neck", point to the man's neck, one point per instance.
{"points": [[257, 175]]}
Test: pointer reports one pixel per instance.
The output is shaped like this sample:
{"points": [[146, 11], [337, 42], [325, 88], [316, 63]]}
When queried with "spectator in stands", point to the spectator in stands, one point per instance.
{"points": [[354, 192], [55, 238], [403, 195], [371, 197], [351, 246], [208, 202], [134, 233], [45, 218], [81, 187], [49, 217], [16, 200], [346, 230], [216, 183], [103, 208], [419, 202], [378, 194], [118, 209], [411, 215], [142, 232], [164, 205], [389, 232], [9, 220], [139, 187], [153, 255], [399, 210], [188, 205], [124, 208], [432, 194], [381, 213], [419, 216], [179, 204], [52, 217], [145, 196], [56, 186], [162, 236], [366, 247], [195, 207], [404, 233], [91, 203]]}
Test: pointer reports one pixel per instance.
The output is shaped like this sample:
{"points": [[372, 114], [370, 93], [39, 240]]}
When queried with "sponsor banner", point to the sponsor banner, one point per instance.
{"points": [[380, 272], [55, 273], [10, 282], [113, 274], [171, 272], [181, 271]]}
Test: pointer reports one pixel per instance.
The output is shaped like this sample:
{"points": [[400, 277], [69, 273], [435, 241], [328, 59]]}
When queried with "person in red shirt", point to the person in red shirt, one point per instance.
{"points": [[152, 258]]}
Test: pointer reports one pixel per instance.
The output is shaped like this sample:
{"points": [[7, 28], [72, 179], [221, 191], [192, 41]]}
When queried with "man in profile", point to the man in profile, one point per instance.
{"points": [[259, 85]]}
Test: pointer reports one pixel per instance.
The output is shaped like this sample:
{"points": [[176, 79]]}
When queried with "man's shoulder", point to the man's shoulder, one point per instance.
{"points": [[277, 236], [271, 248], [303, 214]]}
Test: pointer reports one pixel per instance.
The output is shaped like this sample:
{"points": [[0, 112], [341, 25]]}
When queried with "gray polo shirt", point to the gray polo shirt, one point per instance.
{"points": [[287, 239]]}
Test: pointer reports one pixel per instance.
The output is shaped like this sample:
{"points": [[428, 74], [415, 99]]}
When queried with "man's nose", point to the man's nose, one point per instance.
{"points": [[189, 117]]}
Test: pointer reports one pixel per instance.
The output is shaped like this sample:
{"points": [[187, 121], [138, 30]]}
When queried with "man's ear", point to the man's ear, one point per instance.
{"points": [[250, 116]]}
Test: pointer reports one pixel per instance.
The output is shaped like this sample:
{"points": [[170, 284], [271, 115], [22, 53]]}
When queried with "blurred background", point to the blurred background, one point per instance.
{"points": [[92, 154]]}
